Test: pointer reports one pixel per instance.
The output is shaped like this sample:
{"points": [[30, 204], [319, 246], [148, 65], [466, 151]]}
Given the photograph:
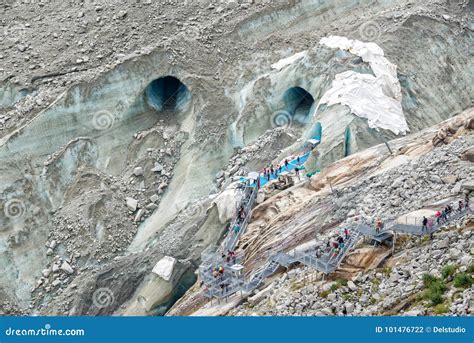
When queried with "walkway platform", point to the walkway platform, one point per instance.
{"points": [[231, 280]]}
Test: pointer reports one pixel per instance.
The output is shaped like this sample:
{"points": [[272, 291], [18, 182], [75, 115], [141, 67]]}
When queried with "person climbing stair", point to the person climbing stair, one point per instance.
{"points": [[378, 226], [424, 224]]}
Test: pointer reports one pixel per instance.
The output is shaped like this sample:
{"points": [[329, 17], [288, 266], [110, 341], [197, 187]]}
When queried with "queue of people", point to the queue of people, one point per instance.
{"points": [[235, 227], [218, 272], [442, 216], [230, 257], [268, 173], [272, 172], [334, 245], [338, 245]]}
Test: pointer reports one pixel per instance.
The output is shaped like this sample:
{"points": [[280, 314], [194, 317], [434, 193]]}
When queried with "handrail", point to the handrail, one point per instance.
{"points": [[326, 263], [232, 238], [229, 283], [396, 226]]}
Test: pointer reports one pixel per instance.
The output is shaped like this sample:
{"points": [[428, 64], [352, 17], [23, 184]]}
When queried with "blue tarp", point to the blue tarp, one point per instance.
{"points": [[291, 166]]}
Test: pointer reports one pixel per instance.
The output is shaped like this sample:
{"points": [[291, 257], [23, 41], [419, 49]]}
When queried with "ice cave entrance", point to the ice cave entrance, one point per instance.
{"points": [[298, 103], [167, 93]]}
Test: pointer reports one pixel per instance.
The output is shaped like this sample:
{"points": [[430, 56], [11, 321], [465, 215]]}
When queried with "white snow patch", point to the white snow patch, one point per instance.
{"points": [[288, 60], [377, 98], [164, 267], [372, 54], [366, 99]]}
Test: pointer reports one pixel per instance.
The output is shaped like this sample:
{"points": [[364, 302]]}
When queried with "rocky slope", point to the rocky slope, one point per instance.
{"points": [[423, 173], [98, 181], [399, 287]]}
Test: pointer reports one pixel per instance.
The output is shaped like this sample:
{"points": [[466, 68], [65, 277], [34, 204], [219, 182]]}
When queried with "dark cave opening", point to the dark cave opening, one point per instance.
{"points": [[298, 103], [167, 93]]}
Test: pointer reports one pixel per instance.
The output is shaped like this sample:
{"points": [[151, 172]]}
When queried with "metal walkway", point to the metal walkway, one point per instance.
{"points": [[231, 280], [411, 225], [327, 262]]}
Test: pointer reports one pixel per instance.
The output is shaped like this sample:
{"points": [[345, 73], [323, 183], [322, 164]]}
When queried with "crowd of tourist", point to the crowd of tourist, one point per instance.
{"points": [[335, 244], [272, 171], [242, 212], [442, 216]]}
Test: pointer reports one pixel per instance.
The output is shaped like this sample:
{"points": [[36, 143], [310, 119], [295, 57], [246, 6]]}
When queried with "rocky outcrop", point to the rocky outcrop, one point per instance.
{"points": [[468, 154], [447, 133], [369, 184], [398, 288], [79, 135]]}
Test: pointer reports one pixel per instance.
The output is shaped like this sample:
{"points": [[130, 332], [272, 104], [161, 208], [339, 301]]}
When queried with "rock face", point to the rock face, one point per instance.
{"points": [[447, 133], [132, 204], [94, 157], [368, 184], [164, 267], [226, 201], [391, 290], [468, 154]]}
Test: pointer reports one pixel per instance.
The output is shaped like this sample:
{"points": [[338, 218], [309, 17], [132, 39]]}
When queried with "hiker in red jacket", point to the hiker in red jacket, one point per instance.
{"points": [[346, 233], [438, 217]]}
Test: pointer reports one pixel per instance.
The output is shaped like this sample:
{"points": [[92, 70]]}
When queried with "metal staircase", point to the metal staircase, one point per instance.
{"points": [[256, 279], [230, 282], [412, 225], [250, 195], [330, 260], [417, 227], [327, 263]]}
